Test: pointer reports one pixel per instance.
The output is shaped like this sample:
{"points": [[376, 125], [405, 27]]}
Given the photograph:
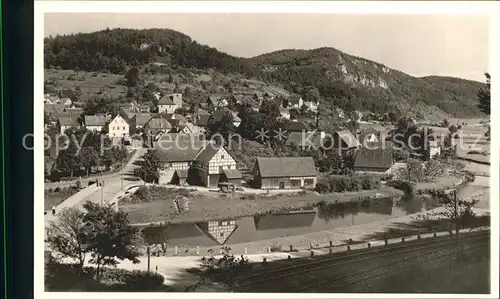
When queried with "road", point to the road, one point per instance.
{"points": [[112, 187]]}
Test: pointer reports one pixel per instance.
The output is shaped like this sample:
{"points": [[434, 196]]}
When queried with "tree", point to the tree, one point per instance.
{"points": [[270, 108], [294, 113], [457, 210], [66, 237], [109, 236], [310, 94], [132, 77], [222, 127], [151, 165], [225, 270], [67, 160], [484, 96], [413, 172], [433, 169], [89, 157]]}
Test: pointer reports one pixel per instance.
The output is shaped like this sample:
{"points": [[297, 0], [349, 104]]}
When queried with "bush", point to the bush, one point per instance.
{"points": [[401, 155], [367, 183], [57, 189], [78, 184], [276, 248], [323, 187], [143, 281], [50, 190], [406, 187]]}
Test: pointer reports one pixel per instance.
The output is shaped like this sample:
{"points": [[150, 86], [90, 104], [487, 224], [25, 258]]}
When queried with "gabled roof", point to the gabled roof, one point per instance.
{"points": [[348, 138], [301, 139], [142, 118], [180, 147], [54, 108], [166, 100], [202, 120], [95, 121], [373, 158], [158, 123], [232, 174], [286, 167], [208, 153], [68, 121]]}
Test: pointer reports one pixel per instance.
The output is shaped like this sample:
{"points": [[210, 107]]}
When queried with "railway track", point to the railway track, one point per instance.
{"points": [[248, 282], [335, 284]]}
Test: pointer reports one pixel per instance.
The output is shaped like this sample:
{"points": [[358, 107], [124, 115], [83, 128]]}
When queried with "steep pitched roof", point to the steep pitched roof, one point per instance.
{"points": [[348, 138], [54, 108], [166, 100], [95, 121], [286, 167], [202, 120], [158, 123], [208, 153], [373, 158], [142, 118], [301, 139], [180, 147], [68, 121]]}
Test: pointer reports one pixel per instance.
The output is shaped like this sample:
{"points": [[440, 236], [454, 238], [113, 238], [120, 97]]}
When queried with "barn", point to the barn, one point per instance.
{"points": [[285, 173], [373, 160]]}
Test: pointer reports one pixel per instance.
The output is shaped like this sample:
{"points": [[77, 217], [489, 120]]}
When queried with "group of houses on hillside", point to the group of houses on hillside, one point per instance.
{"points": [[195, 161]]}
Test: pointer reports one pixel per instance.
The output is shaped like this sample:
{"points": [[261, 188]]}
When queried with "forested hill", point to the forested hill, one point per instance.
{"points": [[114, 50], [342, 80]]}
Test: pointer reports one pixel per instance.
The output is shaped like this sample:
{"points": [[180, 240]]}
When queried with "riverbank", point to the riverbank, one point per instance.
{"points": [[216, 206]]}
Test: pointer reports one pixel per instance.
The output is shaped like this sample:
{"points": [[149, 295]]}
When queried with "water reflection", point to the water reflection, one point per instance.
{"points": [[247, 229]]}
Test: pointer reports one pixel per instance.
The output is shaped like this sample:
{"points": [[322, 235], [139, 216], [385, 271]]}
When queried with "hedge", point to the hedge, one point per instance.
{"points": [[348, 184]]}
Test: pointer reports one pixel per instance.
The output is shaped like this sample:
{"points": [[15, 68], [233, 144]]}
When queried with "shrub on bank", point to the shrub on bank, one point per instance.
{"points": [[347, 184]]}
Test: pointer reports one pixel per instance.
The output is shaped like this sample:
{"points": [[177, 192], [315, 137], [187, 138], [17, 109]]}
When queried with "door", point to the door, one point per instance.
{"points": [[282, 185]]}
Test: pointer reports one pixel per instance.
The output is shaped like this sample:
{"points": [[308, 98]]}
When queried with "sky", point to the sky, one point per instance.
{"points": [[419, 45]]}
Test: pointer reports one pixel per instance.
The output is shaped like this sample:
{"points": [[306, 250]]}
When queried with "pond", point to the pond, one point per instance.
{"points": [[325, 217]]}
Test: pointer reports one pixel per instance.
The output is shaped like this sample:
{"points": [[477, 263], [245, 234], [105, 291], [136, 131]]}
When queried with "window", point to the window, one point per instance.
{"points": [[295, 183], [308, 182], [222, 157], [124, 128], [222, 234]]}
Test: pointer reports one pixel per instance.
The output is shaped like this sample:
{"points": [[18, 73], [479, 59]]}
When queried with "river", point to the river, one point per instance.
{"points": [[248, 229]]}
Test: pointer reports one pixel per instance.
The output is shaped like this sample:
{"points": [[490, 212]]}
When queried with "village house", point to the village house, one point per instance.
{"points": [[312, 105], [166, 105], [306, 140], [284, 113], [434, 149], [176, 98], [65, 122], [215, 102], [209, 166], [154, 128], [53, 110], [139, 120], [94, 122], [67, 102], [344, 140], [370, 134], [377, 160], [294, 101], [177, 121], [285, 173], [118, 128], [180, 151]]}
